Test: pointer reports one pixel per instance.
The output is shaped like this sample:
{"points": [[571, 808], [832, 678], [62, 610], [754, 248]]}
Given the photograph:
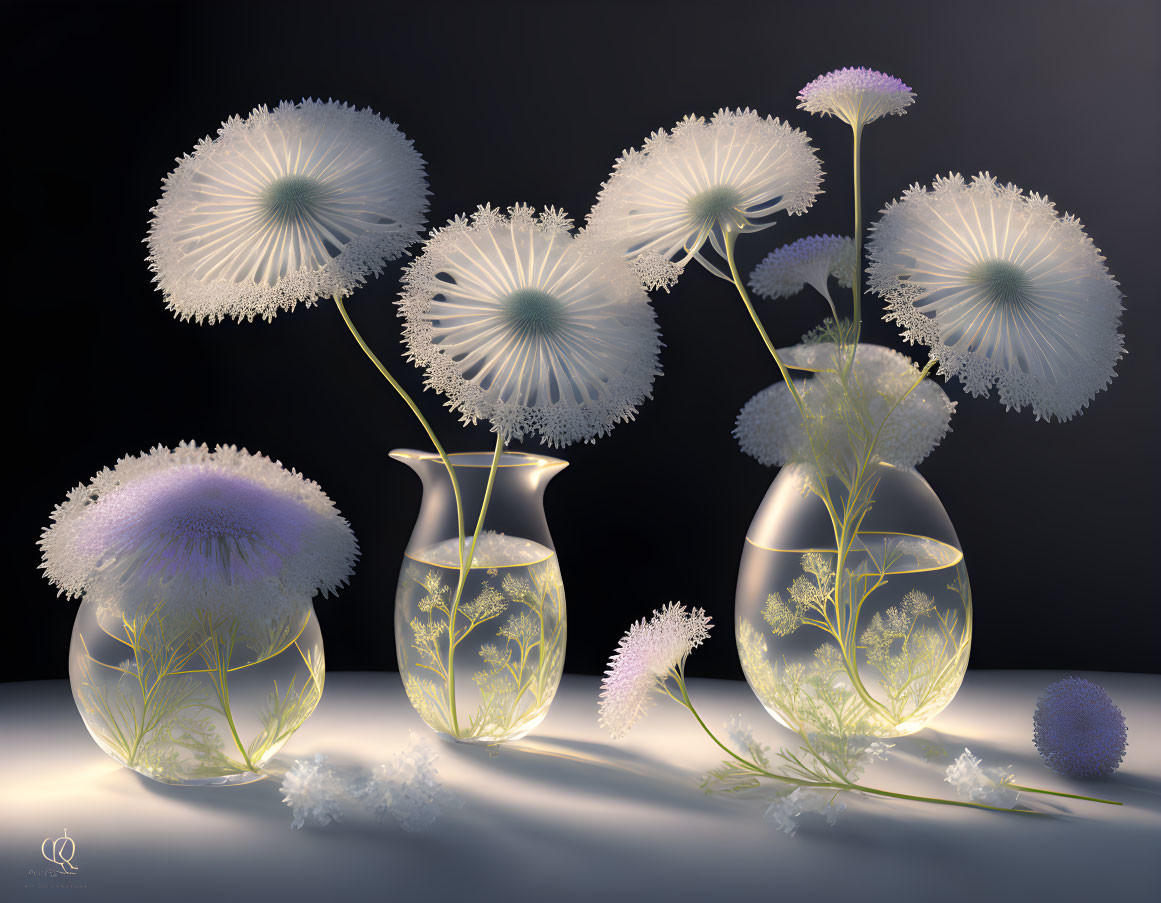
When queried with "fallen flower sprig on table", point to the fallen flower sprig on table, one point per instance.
{"points": [[650, 661]]}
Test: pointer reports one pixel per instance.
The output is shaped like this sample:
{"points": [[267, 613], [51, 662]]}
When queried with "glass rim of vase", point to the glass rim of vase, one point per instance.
{"points": [[481, 459]]}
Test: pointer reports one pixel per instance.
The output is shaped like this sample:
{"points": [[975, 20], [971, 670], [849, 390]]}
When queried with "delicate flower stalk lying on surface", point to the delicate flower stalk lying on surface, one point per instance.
{"points": [[407, 789], [650, 660]]}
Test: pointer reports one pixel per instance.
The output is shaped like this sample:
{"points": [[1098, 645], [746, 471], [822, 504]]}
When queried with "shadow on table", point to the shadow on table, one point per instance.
{"points": [[595, 770]]}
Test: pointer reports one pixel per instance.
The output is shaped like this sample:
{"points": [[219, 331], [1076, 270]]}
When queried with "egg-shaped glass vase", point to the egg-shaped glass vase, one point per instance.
{"points": [[480, 637], [186, 695], [853, 615]]}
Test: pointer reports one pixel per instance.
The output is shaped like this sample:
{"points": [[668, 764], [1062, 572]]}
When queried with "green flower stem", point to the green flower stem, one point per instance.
{"points": [[856, 282], [1071, 796], [678, 675], [453, 640], [451, 471], [729, 239], [222, 685]]}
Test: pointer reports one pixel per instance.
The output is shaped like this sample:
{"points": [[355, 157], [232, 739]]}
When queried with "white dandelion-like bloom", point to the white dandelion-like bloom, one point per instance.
{"points": [[315, 792], [856, 95], [521, 323], [648, 654], [813, 260], [197, 530], [1004, 290], [771, 428], [684, 187], [976, 784], [288, 205]]}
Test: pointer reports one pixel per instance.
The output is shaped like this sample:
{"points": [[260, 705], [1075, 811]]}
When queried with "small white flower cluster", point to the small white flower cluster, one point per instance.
{"points": [[647, 654], [194, 529], [785, 271], [689, 185], [977, 784], [1004, 291], [314, 791], [771, 428], [521, 323], [407, 789], [856, 95], [286, 206], [861, 752], [786, 811]]}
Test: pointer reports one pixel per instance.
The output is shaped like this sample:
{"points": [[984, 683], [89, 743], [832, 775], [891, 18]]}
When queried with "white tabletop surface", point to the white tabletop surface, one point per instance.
{"points": [[567, 814]]}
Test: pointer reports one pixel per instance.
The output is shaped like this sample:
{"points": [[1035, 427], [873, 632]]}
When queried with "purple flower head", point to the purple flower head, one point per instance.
{"points": [[196, 529], [1078, 730], [856, 96]]}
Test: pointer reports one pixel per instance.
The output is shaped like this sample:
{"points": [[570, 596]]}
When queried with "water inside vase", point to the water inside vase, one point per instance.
{"points": [[877, 653], [195, 698], [494, 679]]}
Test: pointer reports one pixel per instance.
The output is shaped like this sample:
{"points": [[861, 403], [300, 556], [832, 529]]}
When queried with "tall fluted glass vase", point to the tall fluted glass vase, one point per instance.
{"points": [[480, 642]]}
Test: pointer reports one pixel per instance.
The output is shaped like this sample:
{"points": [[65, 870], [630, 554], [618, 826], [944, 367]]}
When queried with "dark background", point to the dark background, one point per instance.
{"points": [[533, 102]]}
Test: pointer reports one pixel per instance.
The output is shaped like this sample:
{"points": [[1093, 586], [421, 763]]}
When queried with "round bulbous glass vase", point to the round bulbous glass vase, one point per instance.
{"points": [[187, 696], [853, 629], [480, 637]]}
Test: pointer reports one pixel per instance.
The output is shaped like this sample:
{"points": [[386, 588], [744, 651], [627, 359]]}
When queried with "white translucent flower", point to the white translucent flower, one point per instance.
{"points": [[196, 529], [1004, 290], [682, 188], [521, 323], [856, 95], [844, 417], [809, 261], [285, 206], [976, 784], [647, 655], [408, 788], [314, 792], [785, 811]]}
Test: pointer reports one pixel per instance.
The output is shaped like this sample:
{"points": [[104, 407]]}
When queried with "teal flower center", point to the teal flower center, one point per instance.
{"points": [[290, 198], [715, 205], [1004, 282], [533, 311]]}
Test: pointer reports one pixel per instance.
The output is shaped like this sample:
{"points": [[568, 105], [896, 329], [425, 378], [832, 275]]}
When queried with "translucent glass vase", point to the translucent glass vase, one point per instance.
{"points": [[873, 645], [481, 647], [193, 697]]}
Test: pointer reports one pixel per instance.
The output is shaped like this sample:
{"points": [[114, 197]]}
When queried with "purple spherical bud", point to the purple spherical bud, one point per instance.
{"points": [[1078, 730]]}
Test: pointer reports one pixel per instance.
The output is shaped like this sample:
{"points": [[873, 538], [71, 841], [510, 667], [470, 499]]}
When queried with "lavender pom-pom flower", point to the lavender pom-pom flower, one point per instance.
{"points": [[856, 95], [1079, 730], [197, 530]]}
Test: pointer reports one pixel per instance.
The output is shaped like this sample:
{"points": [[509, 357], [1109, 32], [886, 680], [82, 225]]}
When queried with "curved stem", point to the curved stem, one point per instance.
{"points": [[451, 471], [465, 570], [729, 239]]}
